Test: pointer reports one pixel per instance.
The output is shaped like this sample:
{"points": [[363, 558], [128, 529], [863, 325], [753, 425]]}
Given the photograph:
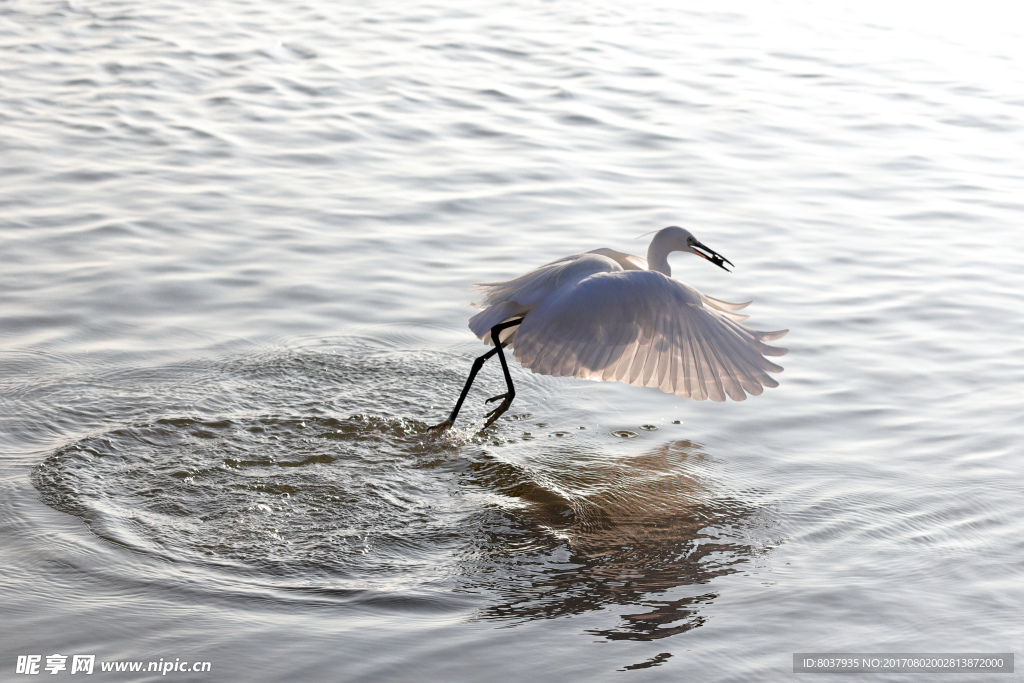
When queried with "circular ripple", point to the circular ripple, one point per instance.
{"points": [[339, 496], [307, 465]]}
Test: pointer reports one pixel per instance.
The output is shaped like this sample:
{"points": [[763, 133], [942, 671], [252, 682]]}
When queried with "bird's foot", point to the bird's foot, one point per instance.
{"points": [[502, 407], [438, 430]]}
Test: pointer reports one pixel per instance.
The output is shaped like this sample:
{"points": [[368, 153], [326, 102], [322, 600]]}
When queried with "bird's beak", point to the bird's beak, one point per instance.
{"points": [[712, 256]]}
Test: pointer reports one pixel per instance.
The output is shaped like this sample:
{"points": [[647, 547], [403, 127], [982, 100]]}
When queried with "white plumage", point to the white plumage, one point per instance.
{"points": [[608, 316]]}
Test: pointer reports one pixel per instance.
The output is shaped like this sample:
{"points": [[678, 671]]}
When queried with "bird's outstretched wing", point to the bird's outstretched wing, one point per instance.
{"points": [[646, 329]]}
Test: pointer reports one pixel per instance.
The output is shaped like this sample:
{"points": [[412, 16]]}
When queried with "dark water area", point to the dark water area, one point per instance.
{"points": [[238, 243]]}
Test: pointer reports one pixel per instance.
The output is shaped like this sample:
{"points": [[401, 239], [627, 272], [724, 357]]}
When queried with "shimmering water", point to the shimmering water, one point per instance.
{"points": [[237, 246]]}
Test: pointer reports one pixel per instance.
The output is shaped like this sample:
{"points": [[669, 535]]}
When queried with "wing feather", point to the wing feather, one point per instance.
{"points": [[711, 367], [725, 305], [646, 329], [622, 368], [673, 358], [741, 375]]}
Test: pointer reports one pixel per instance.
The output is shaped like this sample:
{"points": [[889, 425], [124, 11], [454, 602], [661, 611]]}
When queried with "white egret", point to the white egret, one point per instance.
{"points": [[605, 315]]}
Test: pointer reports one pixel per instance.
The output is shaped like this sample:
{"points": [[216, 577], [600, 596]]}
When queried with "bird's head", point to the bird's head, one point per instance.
{"points": [[675, 238]]}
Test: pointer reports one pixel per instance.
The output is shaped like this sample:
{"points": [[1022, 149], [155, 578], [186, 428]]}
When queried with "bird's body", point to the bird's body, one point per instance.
{"points": [[606, 315]]}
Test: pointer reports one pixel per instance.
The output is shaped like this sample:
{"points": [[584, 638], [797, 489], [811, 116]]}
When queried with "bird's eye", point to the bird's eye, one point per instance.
{"points": [[689, 240]]}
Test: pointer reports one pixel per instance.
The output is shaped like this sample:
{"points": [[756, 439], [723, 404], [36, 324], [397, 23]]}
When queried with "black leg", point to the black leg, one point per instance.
{"points": [[506, 398], [477, 364]]}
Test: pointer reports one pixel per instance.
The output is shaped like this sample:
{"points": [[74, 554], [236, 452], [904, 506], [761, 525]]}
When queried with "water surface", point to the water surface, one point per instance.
{"points": [[238, 242]]}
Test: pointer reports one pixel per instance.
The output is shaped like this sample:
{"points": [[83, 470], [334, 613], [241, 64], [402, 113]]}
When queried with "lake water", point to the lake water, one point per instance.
{"points": [[238, 241]]}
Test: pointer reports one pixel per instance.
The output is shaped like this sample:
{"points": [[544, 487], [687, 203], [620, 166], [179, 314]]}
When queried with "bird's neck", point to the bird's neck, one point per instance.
{"points": [[657, 256]]}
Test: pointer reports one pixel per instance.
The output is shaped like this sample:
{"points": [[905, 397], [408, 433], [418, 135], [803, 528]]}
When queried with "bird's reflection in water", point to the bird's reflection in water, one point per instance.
{"points": [[591, 533]]}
